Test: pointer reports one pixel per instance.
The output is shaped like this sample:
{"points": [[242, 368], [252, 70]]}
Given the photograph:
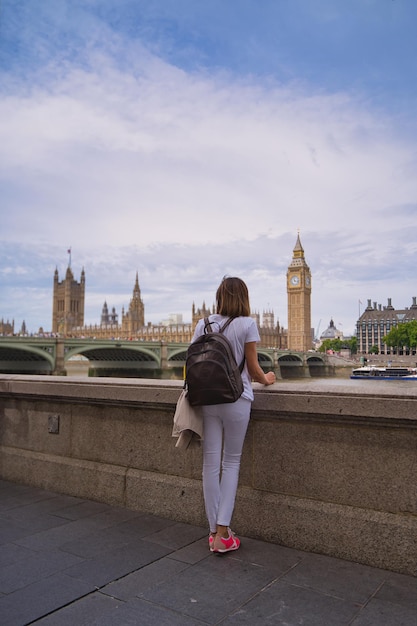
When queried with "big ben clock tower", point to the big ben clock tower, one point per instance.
{"points": [[299, 301]]}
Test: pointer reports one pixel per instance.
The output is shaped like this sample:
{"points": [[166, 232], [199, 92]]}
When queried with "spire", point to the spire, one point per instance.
{"points": [[105, 314], [298, 259], [136, 288], [298, 248]]}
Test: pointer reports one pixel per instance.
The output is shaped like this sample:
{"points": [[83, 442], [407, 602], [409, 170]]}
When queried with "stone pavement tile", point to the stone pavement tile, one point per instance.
{"points": [[271, 556], [38, 523], [282, 604], [118, 535], [114, 564], [381, 613], [142, 525], [39, 599], [34, 567], [12, 553], [21, 495], [54, 537], [72, 530], [211, 589], [141, 613], [152, 575], [399, 589], [88, 546], [12, 532], [177, 535], [51, 504], [111, 516], [26, 517], [193, 553], [80, 509], [274, 557], [83, 612], [335, 577]]}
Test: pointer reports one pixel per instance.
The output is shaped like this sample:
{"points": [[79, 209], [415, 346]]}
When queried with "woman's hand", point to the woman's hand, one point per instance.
{"points": [[254, 369], [270, 378]]}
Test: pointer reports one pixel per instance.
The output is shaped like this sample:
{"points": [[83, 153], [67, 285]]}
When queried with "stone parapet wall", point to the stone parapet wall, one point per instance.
{"points": [[328, 466]]}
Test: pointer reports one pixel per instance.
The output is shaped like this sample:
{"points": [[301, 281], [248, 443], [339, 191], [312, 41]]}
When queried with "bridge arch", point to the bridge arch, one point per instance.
{"points": [[177, 355], [265, 359], [116, 354], [126, 359], [290, 359], [26, 357], [291, 365], [315, 359]]}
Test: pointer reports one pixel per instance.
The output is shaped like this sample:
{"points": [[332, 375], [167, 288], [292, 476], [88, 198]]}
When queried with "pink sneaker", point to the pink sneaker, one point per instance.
{"points": [[226, 545], [211, 542]]}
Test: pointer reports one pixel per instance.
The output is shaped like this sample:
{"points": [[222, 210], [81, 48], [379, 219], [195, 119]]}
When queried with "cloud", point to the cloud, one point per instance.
{"points": [[172, 277], [161, 150], [114, 141]]}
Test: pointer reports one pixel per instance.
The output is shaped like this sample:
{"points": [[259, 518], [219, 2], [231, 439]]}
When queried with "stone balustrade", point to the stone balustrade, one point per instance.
{"points": [[328, 466]]}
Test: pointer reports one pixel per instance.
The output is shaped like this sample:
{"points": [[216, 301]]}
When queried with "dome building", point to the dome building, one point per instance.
{"points": [[331, 332]]}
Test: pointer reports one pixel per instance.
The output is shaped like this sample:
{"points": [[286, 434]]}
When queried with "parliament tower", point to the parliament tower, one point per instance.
{"points": [[300, 336], [134, 319], [68, 302]]}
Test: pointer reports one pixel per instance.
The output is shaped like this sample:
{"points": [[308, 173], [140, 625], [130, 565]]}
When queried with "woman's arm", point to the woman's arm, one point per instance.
{"points": [[254, 369]]}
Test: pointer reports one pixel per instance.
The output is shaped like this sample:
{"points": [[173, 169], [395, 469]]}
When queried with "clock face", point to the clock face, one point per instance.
{"points": [[294, 280]]}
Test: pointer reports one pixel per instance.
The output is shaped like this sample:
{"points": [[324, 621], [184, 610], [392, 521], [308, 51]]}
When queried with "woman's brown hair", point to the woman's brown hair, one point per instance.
{"points": [[232, 298]]}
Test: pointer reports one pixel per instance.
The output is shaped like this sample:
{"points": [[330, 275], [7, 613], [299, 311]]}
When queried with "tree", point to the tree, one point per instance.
{"points": [[412, 333], [338, 344], [353, 345], [402, 336]]}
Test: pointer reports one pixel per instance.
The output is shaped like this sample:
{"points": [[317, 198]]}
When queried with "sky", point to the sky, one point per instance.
{"points": [[190, 139]]}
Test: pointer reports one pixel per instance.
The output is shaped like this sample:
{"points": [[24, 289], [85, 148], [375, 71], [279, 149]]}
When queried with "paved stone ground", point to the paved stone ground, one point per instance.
{"points": [[68, 561]]}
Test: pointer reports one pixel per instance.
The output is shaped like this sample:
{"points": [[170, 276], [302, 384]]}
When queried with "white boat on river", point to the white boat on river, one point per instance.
{"points": [[372, 372]]}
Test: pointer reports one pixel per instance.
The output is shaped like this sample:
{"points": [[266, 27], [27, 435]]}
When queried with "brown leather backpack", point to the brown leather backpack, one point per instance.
{"points": [[212, 374]]}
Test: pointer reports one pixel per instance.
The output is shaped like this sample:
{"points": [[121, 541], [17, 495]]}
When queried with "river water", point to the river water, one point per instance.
{"points": [[80, 367]]}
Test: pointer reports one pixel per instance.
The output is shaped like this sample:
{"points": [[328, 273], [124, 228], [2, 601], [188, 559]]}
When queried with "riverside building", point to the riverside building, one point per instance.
{"points": [[68, 318], [376, 322]]}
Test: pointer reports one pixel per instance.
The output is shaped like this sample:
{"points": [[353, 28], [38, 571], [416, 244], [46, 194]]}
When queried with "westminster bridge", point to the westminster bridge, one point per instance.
{"points": [[146, 359]]}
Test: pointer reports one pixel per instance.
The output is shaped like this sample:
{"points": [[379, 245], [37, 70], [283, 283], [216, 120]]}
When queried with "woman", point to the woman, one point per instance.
{"points": [[227, 423]]}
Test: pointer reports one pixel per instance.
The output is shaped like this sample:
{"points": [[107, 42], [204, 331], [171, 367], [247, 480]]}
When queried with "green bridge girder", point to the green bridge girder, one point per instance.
{"points": [[50, 355]]}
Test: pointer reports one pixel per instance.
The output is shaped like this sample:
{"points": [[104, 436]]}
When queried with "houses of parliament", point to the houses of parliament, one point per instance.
{"points": [[69, 300]]}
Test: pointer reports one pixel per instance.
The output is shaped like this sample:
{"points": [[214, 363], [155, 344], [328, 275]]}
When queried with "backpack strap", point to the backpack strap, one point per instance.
{"points": [[207, 326], [223, 328], [208, 329]]}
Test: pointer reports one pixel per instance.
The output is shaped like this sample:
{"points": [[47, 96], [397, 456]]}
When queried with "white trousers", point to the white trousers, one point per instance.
{"points": [[225, 427]]}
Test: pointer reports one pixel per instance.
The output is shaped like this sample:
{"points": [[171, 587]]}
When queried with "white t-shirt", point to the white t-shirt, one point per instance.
{"points": [[240, 331]]}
